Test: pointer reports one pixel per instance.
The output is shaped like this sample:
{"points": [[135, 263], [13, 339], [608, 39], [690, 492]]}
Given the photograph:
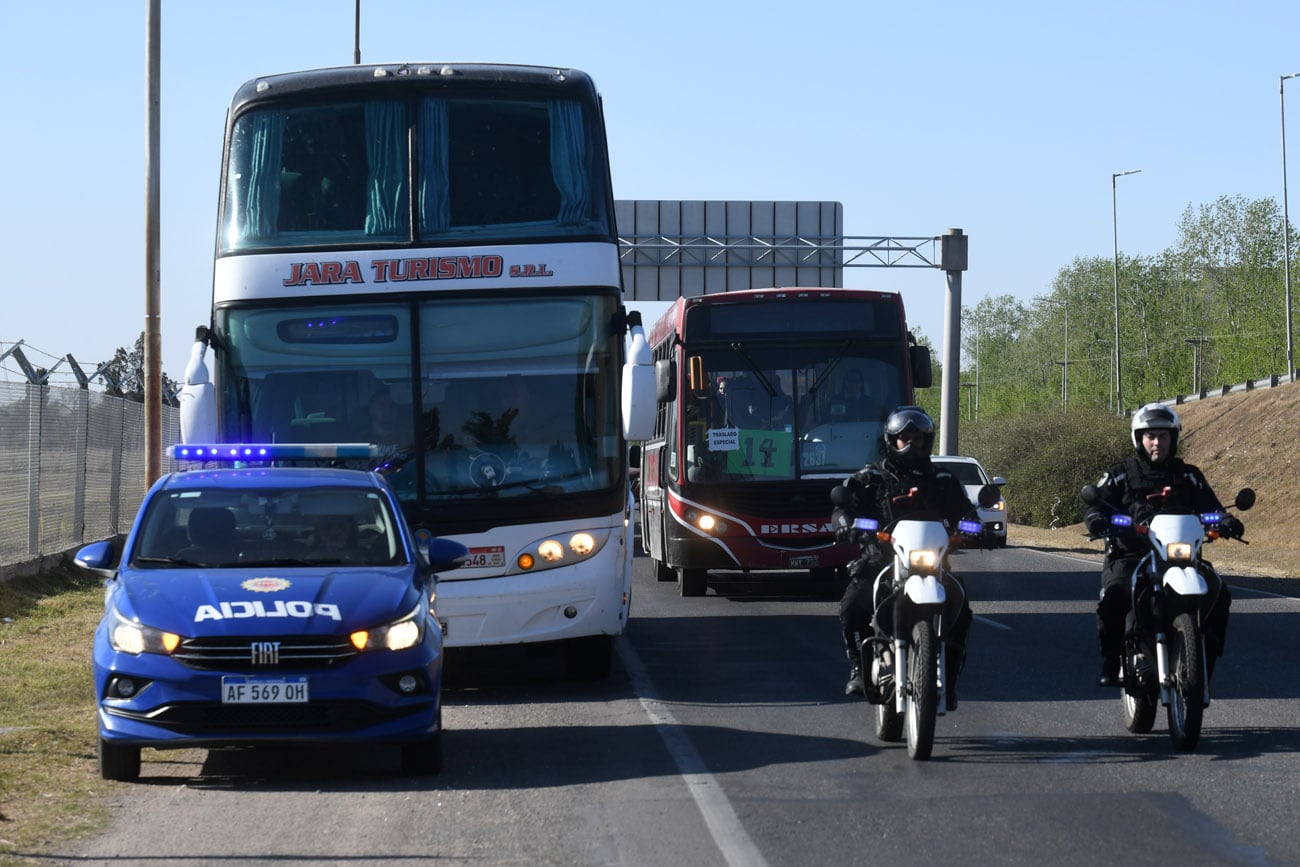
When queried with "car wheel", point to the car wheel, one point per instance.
{"points": [[423, 758], [118, 762]]}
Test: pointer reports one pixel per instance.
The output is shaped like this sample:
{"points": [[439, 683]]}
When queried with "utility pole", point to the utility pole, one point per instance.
{"points": [[152, 306]]}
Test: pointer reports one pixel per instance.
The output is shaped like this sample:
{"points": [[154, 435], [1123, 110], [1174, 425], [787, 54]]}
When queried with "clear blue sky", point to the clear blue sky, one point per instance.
{"points": [[1003, 119]]}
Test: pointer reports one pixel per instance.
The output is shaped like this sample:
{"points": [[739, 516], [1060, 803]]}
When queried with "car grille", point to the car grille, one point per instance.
{"points": [[240, 654]]}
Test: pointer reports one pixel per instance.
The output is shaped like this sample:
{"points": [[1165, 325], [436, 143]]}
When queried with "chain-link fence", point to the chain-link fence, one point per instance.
{"points": [[72, 467]]}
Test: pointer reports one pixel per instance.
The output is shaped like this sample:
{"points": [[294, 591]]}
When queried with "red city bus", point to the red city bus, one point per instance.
{"points": [[766, 400]]}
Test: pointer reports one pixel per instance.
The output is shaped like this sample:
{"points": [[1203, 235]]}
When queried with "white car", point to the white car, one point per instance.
{"points": [[973, 477]]}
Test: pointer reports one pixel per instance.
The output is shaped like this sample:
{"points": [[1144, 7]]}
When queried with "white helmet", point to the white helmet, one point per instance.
{"points": [[1155, 416]]}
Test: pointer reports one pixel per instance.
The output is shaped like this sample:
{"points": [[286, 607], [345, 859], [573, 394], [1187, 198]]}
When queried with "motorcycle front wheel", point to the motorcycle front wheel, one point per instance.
{"points": [[922, 691], [1187, 692]]}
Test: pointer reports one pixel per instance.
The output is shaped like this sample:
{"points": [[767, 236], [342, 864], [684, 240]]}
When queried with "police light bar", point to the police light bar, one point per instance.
{"points": [[970, 526], [1121, 520], [1211, 517], [870, 524], [272, 451]]}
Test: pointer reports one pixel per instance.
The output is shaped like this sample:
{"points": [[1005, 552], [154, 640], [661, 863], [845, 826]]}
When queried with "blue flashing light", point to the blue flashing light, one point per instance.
{"points": [[970, 526], [1211, 517], [1121, 521], [870, 524], [209, 452]]}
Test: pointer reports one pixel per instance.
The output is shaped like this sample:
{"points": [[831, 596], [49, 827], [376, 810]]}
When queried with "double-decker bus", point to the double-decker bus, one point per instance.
{"points": [[423, 257], [767, 399]]}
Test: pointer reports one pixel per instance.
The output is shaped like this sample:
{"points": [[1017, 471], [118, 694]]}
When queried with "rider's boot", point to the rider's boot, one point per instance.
{"points": [[856, 685], [956, 655], [1109, 671]]}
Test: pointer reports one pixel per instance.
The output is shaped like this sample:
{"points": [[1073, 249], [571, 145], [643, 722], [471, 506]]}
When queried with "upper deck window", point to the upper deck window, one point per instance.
{"points": [[366, 173]]}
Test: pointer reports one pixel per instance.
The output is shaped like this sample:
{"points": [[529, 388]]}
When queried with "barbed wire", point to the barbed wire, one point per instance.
{"points": [[60, 372]]}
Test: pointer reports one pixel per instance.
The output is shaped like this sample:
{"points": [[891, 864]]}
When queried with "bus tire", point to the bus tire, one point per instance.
{"points": [[692, 582], [664, 572]]}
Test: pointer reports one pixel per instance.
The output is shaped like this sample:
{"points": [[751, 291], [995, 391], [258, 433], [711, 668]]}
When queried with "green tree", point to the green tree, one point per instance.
{"points": [[126, 375], [1229, 255]]}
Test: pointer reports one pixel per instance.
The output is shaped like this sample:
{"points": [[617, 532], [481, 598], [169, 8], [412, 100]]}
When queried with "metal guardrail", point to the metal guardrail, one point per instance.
{"points": [[1272, 381]]}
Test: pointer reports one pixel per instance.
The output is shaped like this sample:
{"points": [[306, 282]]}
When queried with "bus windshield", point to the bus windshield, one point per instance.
{"points": [[467, 397], [319, 174], [786, 412]]}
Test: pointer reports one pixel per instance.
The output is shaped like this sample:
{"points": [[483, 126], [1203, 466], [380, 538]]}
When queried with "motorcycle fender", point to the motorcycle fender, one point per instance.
{"points": [[924, 590], [1185, 581]]}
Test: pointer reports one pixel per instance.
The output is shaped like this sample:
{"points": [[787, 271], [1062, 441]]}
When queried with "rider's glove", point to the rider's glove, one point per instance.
{"points": [[1231, 526], [1097, 525]]}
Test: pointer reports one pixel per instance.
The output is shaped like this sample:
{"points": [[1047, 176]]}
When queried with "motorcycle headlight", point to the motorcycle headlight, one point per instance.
{"points": [[923, 560], [402, 633], [131, 636], [1178, 552]]}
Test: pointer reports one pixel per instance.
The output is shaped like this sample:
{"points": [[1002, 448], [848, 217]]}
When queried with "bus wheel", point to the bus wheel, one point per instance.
{"points": [[590, 657], [692, 582]]}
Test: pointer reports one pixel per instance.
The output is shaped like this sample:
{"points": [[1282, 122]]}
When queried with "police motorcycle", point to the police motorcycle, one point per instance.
{"points": [[916, 600], [1174, 589]]}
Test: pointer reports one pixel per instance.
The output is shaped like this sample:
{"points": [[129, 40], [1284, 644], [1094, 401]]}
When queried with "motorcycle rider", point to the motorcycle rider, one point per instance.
{"points": [[909, 439], [1124, 489]]}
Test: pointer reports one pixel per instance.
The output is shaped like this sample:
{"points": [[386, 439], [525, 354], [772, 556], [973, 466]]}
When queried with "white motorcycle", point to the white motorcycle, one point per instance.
{"points": [[1174, 589], [916, 600]]}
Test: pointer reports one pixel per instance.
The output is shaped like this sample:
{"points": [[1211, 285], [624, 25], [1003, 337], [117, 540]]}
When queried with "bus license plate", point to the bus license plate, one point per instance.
{"points": [[255, 690], [483, 557], [809, 561]]}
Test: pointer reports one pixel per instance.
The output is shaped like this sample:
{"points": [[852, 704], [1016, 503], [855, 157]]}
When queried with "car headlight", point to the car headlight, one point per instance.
{"points": [[402, 633], [999, 506], [131, 636]]}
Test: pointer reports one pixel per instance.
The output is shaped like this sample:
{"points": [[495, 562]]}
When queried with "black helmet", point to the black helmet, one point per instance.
{"points": [[909, 419], [1155, 416]]}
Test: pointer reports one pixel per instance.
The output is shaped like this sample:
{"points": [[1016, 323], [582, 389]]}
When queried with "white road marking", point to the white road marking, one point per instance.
{"points": [[728, 832]]}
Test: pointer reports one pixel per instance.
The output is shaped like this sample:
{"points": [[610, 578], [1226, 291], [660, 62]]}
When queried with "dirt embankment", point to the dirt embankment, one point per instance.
{"points": [[1244, 440]]}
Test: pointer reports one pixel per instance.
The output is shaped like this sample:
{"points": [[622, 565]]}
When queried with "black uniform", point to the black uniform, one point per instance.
{"points": [[1124, 489], [872, 491]]}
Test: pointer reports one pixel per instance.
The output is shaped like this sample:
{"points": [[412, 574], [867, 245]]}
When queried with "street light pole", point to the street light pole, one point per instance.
{"points": [[1114, 223], [1286, 229]]}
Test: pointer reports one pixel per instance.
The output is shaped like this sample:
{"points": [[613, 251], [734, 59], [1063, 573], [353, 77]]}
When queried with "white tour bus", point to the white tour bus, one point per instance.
{"points": [[424, 257]]}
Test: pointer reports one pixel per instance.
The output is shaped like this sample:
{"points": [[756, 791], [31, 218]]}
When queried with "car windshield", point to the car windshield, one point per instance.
{"points": [[218, 527], [966, 473]]}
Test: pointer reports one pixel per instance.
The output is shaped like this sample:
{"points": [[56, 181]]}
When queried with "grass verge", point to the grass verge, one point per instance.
{"points": [[50, 788]]}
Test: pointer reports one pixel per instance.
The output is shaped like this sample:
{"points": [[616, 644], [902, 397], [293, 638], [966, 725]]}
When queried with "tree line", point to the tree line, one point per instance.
{"points": [[1208, 311]]}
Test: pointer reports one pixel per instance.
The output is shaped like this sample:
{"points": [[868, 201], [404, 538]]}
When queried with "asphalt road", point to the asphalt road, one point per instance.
{"points": [[723, 738]]}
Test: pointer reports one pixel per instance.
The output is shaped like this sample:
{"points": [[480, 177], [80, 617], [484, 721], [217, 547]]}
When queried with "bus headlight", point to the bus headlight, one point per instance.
{"points": [[555, 551]]}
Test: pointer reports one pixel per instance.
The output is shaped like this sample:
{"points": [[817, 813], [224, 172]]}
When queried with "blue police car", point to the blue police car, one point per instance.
{"points": [[262, 603]]}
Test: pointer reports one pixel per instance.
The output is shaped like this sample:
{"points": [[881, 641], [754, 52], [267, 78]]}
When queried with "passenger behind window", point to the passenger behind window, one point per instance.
{"points": [[212, 539]]}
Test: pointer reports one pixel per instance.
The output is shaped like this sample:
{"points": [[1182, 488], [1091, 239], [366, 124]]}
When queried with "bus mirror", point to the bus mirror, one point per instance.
{"points": [[638, 406], [198, 399], [698, 381], [665, 380], [921, 373]]}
